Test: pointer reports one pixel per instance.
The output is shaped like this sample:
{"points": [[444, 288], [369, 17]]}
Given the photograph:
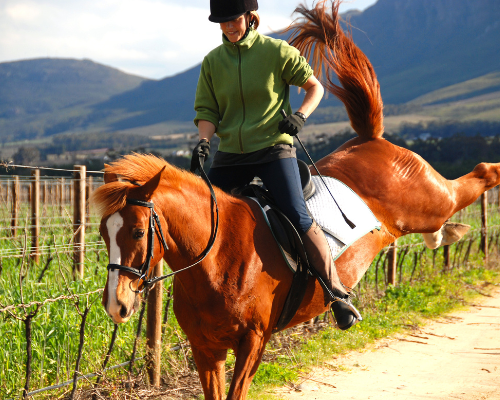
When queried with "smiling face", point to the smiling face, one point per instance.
{"points": [[235, 29]]}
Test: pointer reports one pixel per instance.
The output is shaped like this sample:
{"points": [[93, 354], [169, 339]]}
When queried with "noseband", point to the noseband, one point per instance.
{"points": [[155, 227]]}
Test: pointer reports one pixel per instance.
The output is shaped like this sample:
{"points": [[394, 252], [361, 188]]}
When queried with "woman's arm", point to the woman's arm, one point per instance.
{"points": [[206, 130], [314, 94]]}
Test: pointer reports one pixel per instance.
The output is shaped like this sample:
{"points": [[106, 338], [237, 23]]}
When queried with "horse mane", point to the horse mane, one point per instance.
{"points": [[134, 170], [320, 38]]}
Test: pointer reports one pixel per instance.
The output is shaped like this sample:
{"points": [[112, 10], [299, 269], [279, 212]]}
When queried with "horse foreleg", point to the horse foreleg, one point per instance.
{"points": [[211, 369], [468, 188], [248, 355]]}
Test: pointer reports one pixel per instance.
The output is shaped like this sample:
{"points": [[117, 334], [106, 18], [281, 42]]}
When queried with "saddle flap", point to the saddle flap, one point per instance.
{"points": [[308, 186]]}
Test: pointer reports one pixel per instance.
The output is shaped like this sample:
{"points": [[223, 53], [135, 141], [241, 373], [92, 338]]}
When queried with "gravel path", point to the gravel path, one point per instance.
{"points": [[454, 357]]}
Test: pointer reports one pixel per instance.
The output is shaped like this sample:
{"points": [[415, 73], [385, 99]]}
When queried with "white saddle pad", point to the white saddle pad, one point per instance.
{"points": [[323, 209]]}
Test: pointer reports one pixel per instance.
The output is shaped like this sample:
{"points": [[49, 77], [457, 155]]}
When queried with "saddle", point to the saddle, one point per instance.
{"points": [[289, 242]]}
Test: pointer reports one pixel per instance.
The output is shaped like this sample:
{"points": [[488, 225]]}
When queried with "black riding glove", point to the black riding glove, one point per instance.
{"points": [[202, 149], [292, 124]]}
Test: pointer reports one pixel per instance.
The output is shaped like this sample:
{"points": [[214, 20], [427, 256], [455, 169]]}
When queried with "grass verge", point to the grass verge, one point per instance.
{"points": [[398, 309]]}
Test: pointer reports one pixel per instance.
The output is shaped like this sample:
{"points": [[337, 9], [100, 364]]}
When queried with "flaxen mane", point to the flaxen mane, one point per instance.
{"points": [[320, 38], [134, 169]]}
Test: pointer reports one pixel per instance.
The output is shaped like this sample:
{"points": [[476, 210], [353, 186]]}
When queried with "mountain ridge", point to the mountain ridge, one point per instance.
{"points": [[416, 47]]}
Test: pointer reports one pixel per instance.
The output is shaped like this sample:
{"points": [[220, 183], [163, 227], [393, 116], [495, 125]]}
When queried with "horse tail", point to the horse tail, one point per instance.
{"points": [[320, 38]]}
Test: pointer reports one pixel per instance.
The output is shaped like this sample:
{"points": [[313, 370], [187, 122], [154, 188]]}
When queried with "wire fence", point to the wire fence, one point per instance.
{"points": [[50, 277]]}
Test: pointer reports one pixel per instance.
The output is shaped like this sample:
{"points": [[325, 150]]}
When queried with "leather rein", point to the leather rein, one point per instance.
{"points": [[155, 227]]}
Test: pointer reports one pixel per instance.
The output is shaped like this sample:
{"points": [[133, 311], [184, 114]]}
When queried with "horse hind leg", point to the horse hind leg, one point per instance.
{"points": [[468, 188], [211, 370], [449, 233]]}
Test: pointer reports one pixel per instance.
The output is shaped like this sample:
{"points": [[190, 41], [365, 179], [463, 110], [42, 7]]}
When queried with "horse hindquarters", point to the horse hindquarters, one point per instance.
{"points": [[468, 188]]}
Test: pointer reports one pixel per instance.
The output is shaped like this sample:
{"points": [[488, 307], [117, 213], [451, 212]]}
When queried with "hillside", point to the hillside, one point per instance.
{"points": [[48, 92], [416, 47], [422, 51]]}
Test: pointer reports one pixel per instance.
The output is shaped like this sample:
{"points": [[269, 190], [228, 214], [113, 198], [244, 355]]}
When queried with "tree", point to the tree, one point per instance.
{"points": [[26, 156]]}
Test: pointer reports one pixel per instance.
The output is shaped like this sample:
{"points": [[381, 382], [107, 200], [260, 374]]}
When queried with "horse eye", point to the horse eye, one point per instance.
{"points": [[139, 234]]}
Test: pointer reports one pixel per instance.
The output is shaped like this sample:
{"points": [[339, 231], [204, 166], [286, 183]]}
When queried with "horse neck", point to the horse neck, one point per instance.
{"points": [[191, 218], [189, 213]]}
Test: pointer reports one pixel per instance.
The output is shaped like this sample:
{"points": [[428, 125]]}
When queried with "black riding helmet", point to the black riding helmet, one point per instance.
{"points": [[227, 10]]}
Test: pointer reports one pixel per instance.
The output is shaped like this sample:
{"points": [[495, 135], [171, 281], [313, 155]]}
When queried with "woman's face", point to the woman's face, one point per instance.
{"points": [[235, 29]]}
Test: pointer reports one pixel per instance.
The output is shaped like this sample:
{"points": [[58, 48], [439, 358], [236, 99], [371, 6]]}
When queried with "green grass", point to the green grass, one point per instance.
{"points": [[387, 310], [397, 310], [55, 328], [421, 293]]}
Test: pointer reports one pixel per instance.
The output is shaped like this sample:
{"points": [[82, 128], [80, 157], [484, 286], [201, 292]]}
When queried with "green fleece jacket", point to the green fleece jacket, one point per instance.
{"points": [[242, 88]]}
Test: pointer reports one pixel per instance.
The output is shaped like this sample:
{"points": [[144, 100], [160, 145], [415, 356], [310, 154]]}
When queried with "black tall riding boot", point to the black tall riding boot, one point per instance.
{"points": [[319, 256]]}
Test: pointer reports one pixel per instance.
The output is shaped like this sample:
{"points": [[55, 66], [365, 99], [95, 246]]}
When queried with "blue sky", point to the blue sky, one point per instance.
{"points": [[150, 38]]}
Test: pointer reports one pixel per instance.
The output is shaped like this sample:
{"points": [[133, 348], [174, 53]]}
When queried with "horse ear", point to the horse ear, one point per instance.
{"points": [[110, 177], [146, 191]]}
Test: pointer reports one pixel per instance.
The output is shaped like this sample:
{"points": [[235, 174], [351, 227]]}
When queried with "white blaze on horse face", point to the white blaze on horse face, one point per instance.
{"points": [[113, 224]]}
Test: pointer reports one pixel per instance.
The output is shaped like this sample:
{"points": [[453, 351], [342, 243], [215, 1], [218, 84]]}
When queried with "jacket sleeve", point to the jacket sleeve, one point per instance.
{"points": [[295, 68], [205, 103]]}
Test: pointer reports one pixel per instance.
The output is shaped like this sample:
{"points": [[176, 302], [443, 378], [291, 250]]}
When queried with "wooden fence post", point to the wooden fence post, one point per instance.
{"points": [[16, 193], [446, 256], [45, 192], [90, 187], [79, 220], [484, 226], [392, 257], [35, 216], [62, 195], [153, 328]]}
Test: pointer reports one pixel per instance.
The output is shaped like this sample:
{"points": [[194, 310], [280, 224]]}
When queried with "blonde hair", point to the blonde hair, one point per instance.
{"points": [[254, 19]]}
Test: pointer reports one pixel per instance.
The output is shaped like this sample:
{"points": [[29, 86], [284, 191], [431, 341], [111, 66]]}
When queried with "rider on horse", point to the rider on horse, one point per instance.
{"points": [[243, 86]]}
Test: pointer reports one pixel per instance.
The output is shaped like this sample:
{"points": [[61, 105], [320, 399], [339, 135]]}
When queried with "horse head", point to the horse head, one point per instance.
{"points": [[130, 230]]}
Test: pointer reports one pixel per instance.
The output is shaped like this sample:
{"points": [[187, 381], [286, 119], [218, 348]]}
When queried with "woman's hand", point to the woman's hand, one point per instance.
{"points": [[201, 150], [206, 130], [292, 124]]}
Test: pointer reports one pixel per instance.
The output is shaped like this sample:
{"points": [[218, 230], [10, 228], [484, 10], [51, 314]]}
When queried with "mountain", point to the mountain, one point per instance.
{"points": [[152, 102], [45, 85], [56, 90], [416, 47]]}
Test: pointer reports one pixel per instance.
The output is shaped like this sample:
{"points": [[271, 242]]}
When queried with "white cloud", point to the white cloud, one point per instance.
{"points": [[152, 38]]}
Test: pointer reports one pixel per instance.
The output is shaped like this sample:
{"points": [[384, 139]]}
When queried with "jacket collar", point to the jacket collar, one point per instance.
{"points": [[245, 43]]}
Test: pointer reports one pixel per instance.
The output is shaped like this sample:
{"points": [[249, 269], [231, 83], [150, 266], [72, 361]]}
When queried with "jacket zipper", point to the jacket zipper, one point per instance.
{"points": [[242, 100]]}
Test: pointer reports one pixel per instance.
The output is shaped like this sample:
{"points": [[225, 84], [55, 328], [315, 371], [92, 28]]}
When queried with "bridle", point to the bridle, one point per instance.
{"points": [[155, 227]]}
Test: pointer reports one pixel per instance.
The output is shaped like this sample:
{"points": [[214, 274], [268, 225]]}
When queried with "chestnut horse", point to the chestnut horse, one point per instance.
{"points": [[233, 298]]}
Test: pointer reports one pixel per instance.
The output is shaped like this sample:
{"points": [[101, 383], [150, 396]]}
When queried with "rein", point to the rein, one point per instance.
{"points": [[155, 227]]}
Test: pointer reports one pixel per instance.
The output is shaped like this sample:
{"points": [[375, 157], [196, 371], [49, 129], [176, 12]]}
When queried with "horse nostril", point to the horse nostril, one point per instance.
{"points": [[123, 311]]}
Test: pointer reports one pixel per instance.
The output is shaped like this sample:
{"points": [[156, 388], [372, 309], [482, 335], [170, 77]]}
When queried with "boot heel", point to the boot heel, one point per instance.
{"points": [[345, 314]]}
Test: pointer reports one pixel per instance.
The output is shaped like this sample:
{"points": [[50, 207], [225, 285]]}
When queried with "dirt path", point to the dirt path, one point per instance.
{"points": [[455, 357]]}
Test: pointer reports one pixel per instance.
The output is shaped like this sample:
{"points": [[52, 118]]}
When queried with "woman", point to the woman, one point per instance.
{"points": [[243, 86]]}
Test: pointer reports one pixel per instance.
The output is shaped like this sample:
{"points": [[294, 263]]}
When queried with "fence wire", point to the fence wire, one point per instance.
{"points": [[15, 230]]}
